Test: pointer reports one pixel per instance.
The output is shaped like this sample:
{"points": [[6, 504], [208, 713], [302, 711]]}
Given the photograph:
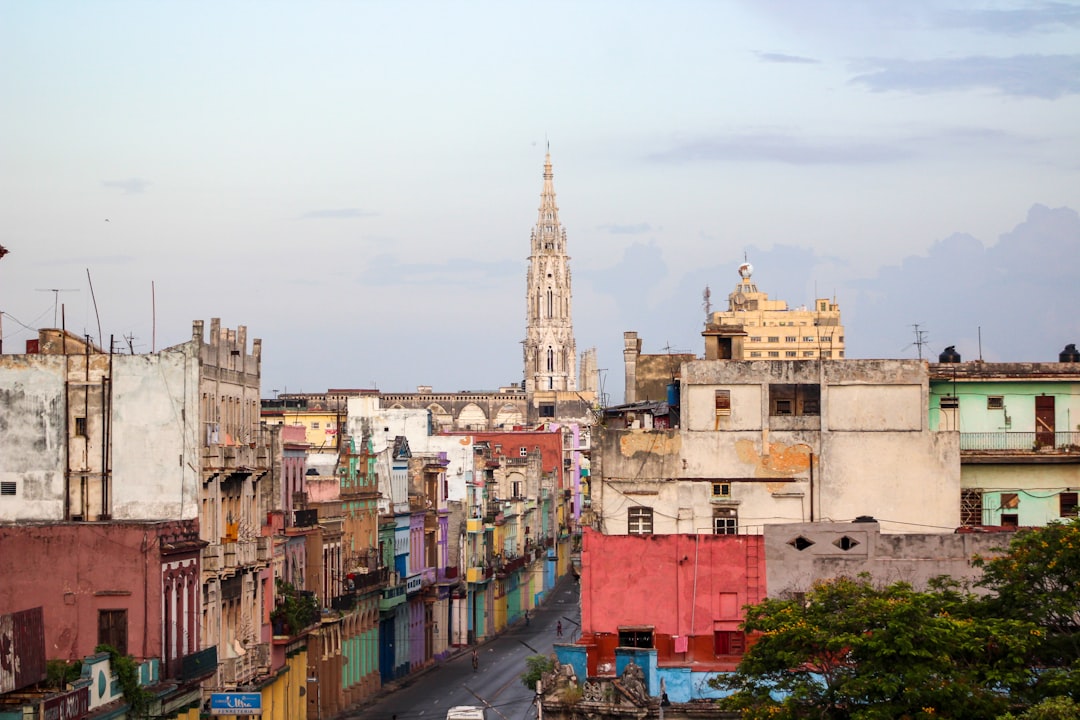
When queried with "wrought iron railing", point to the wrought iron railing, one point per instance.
{"points": [[1068, 442]]}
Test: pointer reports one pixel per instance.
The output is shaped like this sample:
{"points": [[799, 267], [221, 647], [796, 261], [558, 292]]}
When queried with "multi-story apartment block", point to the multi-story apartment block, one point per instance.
{"points": [[755, 327], [1019, 446]]}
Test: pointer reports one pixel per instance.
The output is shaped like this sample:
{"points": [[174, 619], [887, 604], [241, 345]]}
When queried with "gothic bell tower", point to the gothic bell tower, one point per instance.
{"points": [[550, 353]]}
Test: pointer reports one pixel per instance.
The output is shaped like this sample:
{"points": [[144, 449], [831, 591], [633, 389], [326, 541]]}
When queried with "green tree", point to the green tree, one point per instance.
{"points": [[852, 650], [536, 666], [1037, 580]]}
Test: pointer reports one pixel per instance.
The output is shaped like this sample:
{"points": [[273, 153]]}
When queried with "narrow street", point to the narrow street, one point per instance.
{"points": [[497, 682]]}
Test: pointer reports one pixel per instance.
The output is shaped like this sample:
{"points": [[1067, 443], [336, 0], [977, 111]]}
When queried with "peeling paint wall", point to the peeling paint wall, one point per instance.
{"points": [[868, 450]]}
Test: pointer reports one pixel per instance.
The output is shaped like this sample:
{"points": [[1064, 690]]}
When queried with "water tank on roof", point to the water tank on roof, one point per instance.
{"points": [[1069, 354], [949, 355], [673, 394]]}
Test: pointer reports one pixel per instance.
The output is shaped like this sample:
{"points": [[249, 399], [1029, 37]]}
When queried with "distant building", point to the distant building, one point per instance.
{"points": [[755, 327]]}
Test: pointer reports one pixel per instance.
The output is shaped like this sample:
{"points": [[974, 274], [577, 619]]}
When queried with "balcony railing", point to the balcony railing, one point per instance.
{"points": [[244, 668], [1062, 442]]}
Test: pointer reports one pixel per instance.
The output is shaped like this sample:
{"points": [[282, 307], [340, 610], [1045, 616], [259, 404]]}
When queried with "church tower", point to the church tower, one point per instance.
{"points": [[550, 353]]}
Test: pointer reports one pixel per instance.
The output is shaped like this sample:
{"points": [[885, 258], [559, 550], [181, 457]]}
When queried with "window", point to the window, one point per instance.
{"points": [[315, 425], [7, 487], [725, 521], [112, 629], [550, 360], [1067, 503], [826, 353], [949, 402], [755, 339], [995, 402], [723, 402], [516, 489], [639, 521], [774, 338], [841, 338], [808, 353], [547, 410], [971, 507], [787, 399], [80, 427], [791, 338], [636, 637], [1010, 501], [774, 353], [729, 642], [721, 489], [523, 451], [790, 353], [823, 305], [809, 338], [755, 353]]}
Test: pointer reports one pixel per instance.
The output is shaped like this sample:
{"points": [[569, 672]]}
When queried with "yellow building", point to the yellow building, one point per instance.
{"points": [[322, 426], [756, 327]]}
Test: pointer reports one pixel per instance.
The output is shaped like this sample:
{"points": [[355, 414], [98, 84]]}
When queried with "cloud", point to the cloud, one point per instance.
{"points": [[1042, 76], [1040, 18], [615, 229], [131, 186], [338, 213], [782, 58], [784, 149]]}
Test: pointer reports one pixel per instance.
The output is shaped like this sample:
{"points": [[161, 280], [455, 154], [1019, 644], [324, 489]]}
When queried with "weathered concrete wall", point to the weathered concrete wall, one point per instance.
{"points": [[909, 481], [869, 452], [887, 558], [32, 436], [156, 446]]}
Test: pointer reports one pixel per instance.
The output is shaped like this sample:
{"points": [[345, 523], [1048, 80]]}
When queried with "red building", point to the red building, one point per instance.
{"points": [[680, 594], [132, 585]]}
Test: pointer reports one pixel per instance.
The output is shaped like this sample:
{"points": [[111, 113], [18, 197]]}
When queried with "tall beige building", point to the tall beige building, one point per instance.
{"points": [[755, 327]]}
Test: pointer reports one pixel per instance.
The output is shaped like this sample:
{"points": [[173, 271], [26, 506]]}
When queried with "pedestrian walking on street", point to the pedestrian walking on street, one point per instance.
{"points": [[558, 629], [475, 661], [526, 618]]}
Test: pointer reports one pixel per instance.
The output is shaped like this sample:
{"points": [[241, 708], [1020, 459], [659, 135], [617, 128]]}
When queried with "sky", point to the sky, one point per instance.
{"points": [[355, 182]]}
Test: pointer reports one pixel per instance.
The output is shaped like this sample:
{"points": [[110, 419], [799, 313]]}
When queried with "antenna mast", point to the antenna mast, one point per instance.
{"points": [[707, 301], [920, 338]]}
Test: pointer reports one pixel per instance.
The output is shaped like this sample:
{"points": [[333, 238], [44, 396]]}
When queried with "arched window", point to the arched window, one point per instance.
{"points": [[550, 304], [551, 360]]}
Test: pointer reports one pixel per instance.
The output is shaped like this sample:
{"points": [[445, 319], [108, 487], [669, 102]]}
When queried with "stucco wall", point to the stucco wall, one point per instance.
{"points": [[74, 570], [32, 436], [674, 583], [155, 441], [887, 558]]}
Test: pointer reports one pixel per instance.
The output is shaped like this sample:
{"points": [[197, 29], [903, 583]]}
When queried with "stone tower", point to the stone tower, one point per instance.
{"points": [[550, 353]]}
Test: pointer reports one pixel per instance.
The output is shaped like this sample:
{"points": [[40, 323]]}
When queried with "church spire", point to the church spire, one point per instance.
{"points": [[550, 352]]}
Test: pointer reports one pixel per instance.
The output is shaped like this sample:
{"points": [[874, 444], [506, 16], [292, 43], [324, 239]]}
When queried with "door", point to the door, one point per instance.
{"points": [[1044, 421]]}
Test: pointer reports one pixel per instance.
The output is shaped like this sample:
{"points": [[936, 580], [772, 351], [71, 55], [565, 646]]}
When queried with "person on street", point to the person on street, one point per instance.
{"points": [[526, 618], [558, 629], [475, 661]]}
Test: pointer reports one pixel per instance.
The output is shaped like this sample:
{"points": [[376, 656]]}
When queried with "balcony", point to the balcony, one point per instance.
{"points": [[212, 558], [391, 598], [475, 525], [1020, 447], [245, 668], [478, 574], [196, 666]]}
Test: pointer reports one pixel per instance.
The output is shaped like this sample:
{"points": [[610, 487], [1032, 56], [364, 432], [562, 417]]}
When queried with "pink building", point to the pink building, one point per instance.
{"points": [[680, 594], [133, 585]]}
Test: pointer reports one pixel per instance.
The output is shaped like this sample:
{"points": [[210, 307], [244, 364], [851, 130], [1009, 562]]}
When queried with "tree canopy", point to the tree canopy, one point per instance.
{"points": [[854, 649]]}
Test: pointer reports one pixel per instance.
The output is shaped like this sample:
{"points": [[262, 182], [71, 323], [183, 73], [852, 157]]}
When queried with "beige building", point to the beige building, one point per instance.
{"points": [[760, 443], [756, 327]]}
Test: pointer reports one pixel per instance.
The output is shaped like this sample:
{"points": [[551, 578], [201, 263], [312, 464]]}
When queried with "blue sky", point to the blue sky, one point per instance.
{"points": [[355, 181]]}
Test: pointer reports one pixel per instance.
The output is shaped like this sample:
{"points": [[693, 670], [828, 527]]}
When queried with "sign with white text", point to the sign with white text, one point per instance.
{"points": [[236, 704]]}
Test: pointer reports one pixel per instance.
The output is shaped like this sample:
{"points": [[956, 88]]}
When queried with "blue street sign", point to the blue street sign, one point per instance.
{"points": [[236, 704]]}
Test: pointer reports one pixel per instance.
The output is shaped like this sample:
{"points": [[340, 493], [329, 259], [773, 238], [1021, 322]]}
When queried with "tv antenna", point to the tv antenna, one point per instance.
{"points": [[920, 339], [707, 301], [56, 298]]}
